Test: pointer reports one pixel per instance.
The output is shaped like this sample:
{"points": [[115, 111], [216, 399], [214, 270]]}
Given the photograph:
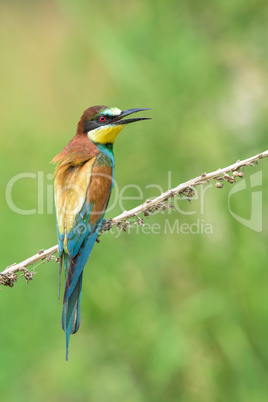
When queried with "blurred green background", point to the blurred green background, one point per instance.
{"points": [[165, 316]]}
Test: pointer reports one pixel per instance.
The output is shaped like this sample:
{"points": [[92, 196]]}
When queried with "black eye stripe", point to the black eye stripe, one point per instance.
{"points": [[90, 125], [96, 122]]}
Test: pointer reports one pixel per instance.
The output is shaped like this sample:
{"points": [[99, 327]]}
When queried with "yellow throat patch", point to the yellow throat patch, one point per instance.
{"points": [[105, 134]]}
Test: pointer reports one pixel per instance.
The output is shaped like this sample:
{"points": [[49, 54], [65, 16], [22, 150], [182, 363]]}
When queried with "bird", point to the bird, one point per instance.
{"points": [[83, 181]]}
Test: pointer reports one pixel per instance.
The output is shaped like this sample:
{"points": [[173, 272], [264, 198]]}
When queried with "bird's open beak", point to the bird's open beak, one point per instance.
{"points": [[118, 120]]}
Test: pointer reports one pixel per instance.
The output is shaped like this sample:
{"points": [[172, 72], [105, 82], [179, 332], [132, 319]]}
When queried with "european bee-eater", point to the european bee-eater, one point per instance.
{"points": [[83, 183]]}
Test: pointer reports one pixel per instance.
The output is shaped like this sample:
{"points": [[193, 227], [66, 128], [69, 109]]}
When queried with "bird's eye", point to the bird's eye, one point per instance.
{"points": [[102, 119]]}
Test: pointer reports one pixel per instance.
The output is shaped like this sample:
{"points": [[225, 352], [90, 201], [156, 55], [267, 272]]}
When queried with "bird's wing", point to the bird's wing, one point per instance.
{"points": [[82, 193], [71, 186]]}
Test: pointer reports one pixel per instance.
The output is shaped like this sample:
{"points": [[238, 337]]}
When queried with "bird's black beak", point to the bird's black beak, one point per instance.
{"points": [[118, 120]]}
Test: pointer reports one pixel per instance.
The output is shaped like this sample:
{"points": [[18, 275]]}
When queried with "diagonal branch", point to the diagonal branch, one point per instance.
{"points": [[8, 276]]}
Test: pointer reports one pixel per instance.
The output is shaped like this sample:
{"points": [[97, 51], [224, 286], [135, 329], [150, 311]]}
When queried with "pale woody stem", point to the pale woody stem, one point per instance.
{"points": [[148, 206]]}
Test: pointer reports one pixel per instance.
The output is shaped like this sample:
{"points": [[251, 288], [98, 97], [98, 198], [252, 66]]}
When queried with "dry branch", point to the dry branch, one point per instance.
{"points": [[9, 276]]}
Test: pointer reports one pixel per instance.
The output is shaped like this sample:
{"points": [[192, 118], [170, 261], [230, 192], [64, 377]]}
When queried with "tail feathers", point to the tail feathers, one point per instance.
{"points": [[71, 313]]}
